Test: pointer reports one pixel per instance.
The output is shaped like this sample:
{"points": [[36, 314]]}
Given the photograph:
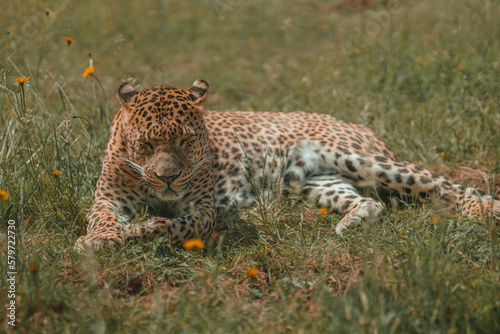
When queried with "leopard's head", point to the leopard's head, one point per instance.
{"points": [[165, 134]]}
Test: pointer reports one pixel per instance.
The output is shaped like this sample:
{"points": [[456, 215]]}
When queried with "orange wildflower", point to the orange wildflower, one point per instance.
{"points": [[323, 211], [193, 244], [442, 154], [69, 40], [3, 195], [33, 268], [253, 272], [88, 71], [56, 172], [22, 80]]}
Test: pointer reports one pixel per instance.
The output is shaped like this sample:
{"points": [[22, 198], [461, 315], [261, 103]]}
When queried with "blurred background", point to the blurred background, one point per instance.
{"points": [[423, 74], [429, 63]]}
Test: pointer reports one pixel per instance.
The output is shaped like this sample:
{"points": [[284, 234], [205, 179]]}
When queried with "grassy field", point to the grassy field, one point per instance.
{"points": [[425, 75]]}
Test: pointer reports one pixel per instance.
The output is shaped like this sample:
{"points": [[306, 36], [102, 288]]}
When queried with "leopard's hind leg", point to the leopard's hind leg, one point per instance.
{"points": [[474, 204], [337, 195], [407, 178]]}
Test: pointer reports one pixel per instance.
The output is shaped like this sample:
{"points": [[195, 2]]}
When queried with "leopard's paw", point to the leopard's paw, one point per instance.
{"points": [[476, 207], [493, 209], [368, 212], [148, 229], [95, 242]]}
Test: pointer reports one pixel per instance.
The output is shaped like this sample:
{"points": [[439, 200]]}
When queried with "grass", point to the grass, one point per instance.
{"points": [[422, 74]]}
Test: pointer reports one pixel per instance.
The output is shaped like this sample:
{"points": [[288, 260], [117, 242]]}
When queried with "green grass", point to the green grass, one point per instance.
{"points": [[423, 74]]}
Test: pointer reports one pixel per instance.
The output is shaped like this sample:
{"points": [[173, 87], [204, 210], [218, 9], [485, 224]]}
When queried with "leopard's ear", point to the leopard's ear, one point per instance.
{"points": [[199, 91], [125, 93]]}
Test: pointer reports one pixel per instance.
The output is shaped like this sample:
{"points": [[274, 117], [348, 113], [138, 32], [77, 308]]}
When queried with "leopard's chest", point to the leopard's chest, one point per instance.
{"points": [[160, 208]]}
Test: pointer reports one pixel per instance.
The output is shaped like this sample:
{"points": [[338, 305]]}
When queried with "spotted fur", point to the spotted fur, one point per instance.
{"points": [[167, 154]]}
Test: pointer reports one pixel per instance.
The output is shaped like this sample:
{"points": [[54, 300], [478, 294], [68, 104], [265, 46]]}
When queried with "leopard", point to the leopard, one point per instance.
{"points": [[183, 164]]}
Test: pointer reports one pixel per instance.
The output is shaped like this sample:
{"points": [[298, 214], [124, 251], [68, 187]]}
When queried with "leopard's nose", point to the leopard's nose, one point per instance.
{"points": [[168, 177]]}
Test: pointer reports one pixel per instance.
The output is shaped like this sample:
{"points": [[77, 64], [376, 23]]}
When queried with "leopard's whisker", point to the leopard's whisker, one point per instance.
{"points": [[135, 166], [201, 165]]}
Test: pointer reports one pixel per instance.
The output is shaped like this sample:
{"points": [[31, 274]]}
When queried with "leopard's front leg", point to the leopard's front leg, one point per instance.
{"points": [[197, 224], [103, 229]]}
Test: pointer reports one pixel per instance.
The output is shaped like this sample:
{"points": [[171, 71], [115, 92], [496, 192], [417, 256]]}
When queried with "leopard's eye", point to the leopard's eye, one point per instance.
{"points": [[146, 147], [185, 140]]}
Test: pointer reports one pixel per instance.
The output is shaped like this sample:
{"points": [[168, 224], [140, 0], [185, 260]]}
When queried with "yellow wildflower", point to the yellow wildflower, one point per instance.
{"points": [[193, 244], [69, 40], [323, 211], [22, 80], [357, 52], [424, 62], [253, 272], [56, 172], [3, 195], [88, 71]]}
